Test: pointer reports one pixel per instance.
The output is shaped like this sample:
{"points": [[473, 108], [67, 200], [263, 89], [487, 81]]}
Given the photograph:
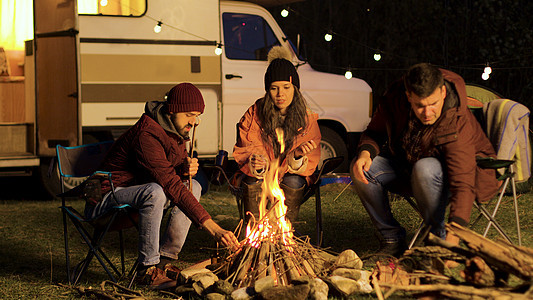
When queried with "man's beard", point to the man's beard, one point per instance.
{"points": [[182, 131]]}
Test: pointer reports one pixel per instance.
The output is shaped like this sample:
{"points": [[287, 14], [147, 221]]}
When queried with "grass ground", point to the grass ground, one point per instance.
{"points": [[32, 257]]}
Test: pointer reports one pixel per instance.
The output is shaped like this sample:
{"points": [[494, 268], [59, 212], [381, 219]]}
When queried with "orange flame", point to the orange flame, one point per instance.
{"points": [[272, 223]]}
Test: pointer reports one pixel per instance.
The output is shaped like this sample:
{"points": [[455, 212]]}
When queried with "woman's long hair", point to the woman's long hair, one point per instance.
{"points": [[294, 122]]}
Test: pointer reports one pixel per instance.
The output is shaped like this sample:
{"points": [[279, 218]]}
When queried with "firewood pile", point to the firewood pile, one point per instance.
{"points": [[273, 271], [484, 269]]}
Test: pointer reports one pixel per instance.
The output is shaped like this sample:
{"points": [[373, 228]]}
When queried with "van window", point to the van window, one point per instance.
{"points": [[247, 36], [130, 8]]}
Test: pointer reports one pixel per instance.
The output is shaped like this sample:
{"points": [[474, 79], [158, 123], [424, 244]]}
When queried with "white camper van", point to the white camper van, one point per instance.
{"points": [[94, 71]]}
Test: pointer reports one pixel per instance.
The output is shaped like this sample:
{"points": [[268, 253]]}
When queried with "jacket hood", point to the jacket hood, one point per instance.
{"points": [[157, 110]]}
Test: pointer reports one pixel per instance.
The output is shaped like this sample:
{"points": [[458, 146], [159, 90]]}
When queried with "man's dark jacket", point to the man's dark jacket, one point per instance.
{"points": [[456, 139], [153, 151]]}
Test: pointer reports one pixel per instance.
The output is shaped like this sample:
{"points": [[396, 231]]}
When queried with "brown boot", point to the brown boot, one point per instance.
{"points": [[155, 279], [293, 199], [172, 271], [250, 197]]}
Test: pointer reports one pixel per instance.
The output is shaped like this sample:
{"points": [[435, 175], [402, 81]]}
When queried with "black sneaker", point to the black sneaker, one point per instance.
{"points": [[392, 248]]}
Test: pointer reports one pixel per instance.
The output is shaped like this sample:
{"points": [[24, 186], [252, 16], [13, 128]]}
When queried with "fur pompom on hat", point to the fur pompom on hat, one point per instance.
{"points": [[280, 67], [185, 97]]}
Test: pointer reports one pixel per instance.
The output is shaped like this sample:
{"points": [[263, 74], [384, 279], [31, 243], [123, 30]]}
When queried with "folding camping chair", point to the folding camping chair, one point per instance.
{"points": [[506, 123], [82, 162], [328, 166]]}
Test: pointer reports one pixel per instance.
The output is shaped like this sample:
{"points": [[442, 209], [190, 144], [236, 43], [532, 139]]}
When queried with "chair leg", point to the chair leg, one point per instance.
{"points": [[417, 233], [121, 237], [67, 255], [94, 251], [515, 201], [133, 273], [319, 230], [496, 208], [487, 215]]}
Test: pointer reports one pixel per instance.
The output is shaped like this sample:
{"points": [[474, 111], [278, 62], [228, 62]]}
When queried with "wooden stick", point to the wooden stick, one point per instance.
{"points": [[245, 266], [191, 151], [506, 257], [375, 283], [262, 264], [466, 291], [292, 270]]}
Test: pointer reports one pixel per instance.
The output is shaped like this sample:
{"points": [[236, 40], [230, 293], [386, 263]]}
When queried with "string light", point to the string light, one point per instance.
{"points": [[284, 12], [157, 27], [218, 49], [348, 74], [103, 3], [487, 69], [328, 36], [486, 72]]}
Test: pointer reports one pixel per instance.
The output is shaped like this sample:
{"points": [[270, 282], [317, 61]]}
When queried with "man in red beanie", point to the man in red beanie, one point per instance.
{"points": [[149, 165]]}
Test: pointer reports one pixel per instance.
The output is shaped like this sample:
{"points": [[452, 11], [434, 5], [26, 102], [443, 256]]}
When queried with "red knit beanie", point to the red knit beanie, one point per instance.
{"points": [[185, 97]]}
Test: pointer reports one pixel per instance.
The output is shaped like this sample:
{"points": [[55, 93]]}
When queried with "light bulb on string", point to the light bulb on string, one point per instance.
{"points": [[487, 69], [157, 27], [284, 12], [377, 56], [348, 74], [218, 49], [328, 36], [485, 76]]}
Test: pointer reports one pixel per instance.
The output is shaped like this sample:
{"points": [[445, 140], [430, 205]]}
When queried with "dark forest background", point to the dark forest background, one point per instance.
{"points": [[459, 35]]}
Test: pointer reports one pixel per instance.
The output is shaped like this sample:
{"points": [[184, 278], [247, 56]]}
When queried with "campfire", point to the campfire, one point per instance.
{"points": [[270, 248]]}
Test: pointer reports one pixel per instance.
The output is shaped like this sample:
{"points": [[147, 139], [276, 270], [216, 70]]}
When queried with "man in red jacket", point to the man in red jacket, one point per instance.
{"points": [[150, 166], [422, 141]]}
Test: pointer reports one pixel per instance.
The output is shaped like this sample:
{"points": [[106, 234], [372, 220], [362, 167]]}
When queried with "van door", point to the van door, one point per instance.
{"points": [[56, 74], [247, 38]]}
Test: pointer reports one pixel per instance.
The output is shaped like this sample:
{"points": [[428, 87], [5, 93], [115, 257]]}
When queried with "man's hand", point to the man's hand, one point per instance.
{"points": [[304, 148], [227, 238], [362, 163], [258, 161], [193, 166]]}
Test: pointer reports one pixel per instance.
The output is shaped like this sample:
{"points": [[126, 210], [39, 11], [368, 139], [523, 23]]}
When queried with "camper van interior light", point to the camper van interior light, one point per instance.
{"points": [[218, 49], [284, 13], [157, 27], [328, 36], [348, 74], [377, 56]]}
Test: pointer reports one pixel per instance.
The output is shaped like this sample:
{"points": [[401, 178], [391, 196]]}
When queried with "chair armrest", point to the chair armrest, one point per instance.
{"points": [[493, 163]]}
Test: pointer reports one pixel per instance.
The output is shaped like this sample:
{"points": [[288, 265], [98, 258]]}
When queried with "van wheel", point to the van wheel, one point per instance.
{"points": [[332, 145]]}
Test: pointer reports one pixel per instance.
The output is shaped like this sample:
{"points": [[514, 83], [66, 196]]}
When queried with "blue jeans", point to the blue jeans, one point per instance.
{"points": [[426, 184], [150, 200]]}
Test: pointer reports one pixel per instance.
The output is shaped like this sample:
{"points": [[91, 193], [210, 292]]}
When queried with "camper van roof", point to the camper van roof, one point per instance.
{"points": [[268, 3]]}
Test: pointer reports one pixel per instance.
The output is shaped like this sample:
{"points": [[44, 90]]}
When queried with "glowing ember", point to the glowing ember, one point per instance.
{"points": [[272, 223]]}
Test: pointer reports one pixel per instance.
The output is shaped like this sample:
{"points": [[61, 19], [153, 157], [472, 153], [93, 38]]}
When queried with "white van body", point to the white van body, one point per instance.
{"points": [[88, 77], [124, 63]]}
